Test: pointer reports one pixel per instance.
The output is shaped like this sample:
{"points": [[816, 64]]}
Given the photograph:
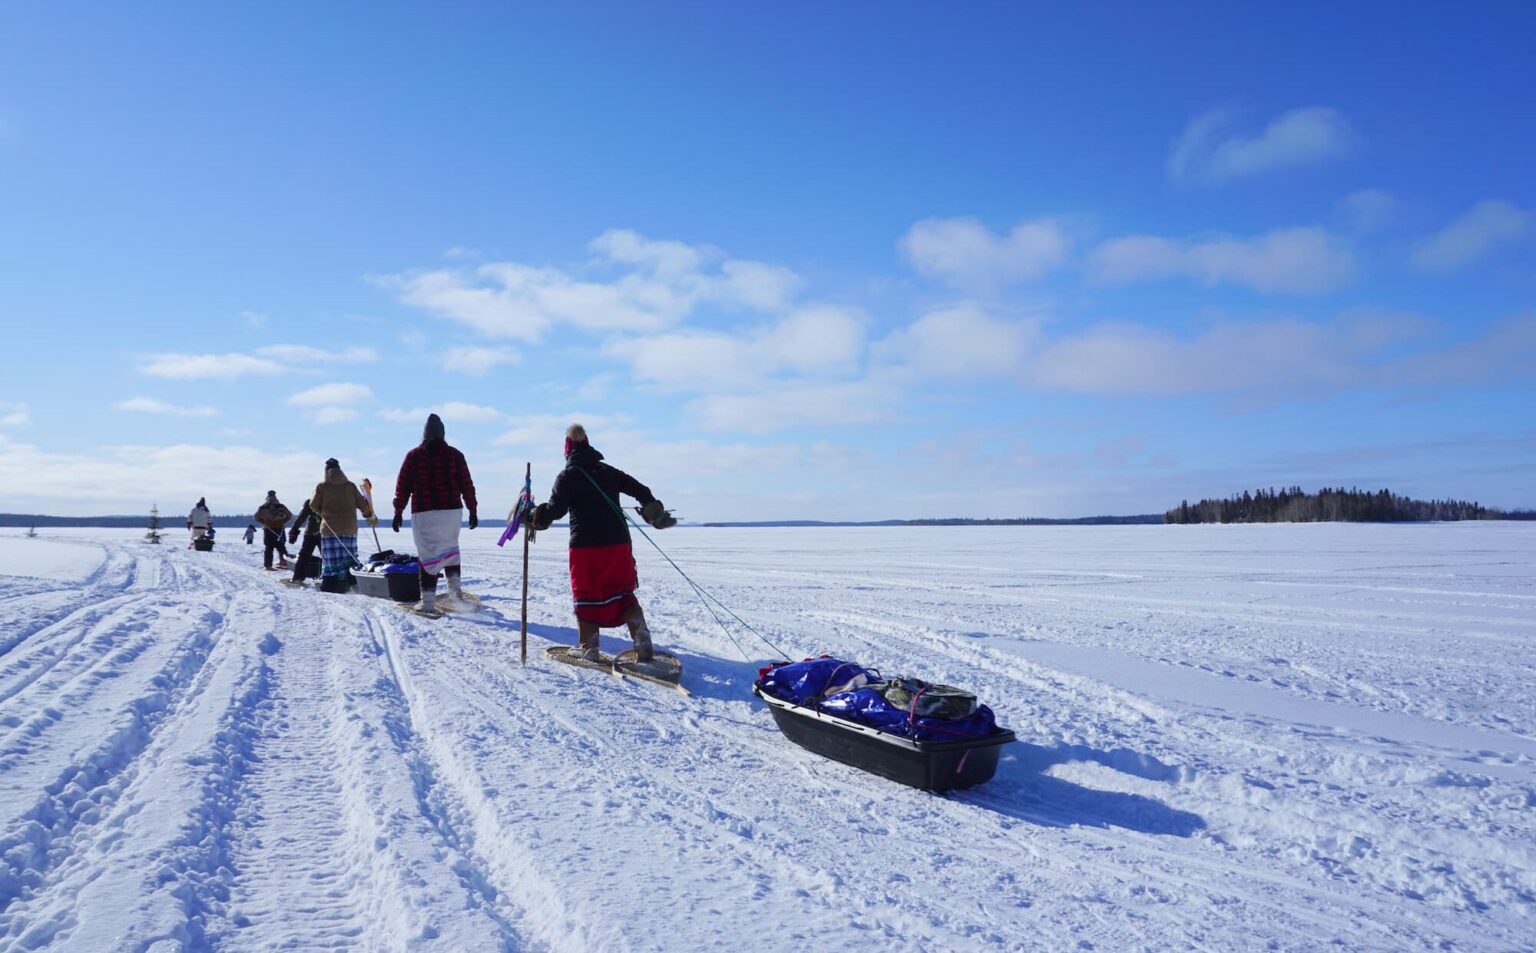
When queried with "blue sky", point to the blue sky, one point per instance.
{"points": [[884, 260]]}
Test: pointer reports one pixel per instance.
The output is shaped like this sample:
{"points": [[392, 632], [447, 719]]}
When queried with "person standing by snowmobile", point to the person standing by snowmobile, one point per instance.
{"points": [[199, 521], [434, 478], [310, 521], [274, 517], [337, 500], [603, 576]]}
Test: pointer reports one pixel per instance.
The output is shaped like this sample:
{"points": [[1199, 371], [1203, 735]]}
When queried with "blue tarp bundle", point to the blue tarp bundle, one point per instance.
{"points": [[807, 682], [849, 691], [868, 706]]}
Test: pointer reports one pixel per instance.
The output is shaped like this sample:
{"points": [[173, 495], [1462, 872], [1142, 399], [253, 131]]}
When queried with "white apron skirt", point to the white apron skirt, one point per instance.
{"points": [[436, 533]]}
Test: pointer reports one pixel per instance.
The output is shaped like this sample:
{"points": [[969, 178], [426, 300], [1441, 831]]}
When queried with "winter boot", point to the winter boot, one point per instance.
{"points": [[641, 634], [586, 648], [451, 574], [428, 600]]}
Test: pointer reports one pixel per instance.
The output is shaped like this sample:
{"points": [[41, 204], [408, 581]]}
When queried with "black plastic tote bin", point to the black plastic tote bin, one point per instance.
{"points": [[203, 544], [930, 765], [399, 586]]}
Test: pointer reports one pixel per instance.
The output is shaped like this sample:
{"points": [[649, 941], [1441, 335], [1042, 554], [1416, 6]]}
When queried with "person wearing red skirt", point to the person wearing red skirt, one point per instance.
{"points": [[603, 577]]}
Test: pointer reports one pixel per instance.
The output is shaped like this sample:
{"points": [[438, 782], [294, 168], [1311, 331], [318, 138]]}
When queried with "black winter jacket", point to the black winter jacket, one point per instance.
{"points": [[313, 527], [594, 522]]}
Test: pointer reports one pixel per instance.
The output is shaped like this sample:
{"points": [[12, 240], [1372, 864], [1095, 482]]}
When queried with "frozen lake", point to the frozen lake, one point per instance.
{"points": [[1231, 738]]}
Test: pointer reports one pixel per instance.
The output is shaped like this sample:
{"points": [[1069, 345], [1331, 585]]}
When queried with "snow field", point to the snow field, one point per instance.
{"points": [[1270, 737]]}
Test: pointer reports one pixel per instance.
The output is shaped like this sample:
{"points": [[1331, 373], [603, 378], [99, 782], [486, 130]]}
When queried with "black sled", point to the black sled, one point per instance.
{"points": [[929, 765], [203, 544]]}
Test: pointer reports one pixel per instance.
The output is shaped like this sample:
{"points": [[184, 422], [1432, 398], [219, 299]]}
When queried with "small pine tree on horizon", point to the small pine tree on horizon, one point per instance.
{"points": [[153, 536]]}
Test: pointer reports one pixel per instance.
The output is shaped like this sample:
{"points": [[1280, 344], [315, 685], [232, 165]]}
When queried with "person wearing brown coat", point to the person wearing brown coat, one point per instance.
{"points": [[273, 516], [337, 501]]}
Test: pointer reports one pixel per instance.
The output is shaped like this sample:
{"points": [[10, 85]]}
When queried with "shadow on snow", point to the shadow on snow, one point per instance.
{"points": [[1022, 790]]}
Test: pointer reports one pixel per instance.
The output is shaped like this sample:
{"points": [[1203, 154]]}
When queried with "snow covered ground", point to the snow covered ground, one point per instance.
{"points": [[1231, 738]]}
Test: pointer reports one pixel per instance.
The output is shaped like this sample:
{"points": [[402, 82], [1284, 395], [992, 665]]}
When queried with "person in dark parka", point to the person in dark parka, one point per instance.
{"points": [[602, 561]]}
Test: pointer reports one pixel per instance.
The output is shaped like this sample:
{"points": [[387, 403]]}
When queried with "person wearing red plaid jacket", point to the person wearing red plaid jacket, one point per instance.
{"points": [[435, 480]]}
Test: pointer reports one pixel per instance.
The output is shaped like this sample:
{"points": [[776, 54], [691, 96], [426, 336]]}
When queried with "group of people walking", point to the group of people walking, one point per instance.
{"points": [[434, 480]]}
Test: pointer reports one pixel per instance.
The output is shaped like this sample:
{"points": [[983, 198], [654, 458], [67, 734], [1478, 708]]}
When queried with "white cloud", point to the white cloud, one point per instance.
{"points": [[689, 360], [337, 394], [1369, 210], [129, 479], [961, 342], [815, 339], [477, 361], [305, 354], [150, 405], [756, 286], [452, 412], [812, 338], [14, 414], [548, 430], [332, 403], [1207, 151], [1283, 356], [965, 253], [266, 361], [208, 366], [334, 415], [1288, 261], [659, 284], [631, 248], [1474, 234], [787, 405]]}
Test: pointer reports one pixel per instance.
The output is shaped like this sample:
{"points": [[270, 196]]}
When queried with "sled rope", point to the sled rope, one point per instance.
{"points": [[337, 537], [705, 596]]}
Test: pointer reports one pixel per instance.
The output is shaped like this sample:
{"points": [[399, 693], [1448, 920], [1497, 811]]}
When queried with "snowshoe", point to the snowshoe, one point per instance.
{"points": [[416, 608], [563, 653], [664, 668], [294, 583], [461, 604]]}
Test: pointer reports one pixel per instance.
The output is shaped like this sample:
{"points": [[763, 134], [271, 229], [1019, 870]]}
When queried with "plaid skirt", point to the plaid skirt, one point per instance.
{"points": [[336, 555]]}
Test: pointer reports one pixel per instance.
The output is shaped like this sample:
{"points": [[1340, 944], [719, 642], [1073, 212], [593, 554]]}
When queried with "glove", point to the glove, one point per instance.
{"points": [[373, 521], [395, 525], [293, 535], [657, 515], [474, 519], [540, 517]]}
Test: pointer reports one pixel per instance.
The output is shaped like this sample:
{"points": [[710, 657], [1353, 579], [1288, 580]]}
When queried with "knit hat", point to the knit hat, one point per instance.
{"points": [[575, 434], [433, 430], [271, 494], [332, 464]]}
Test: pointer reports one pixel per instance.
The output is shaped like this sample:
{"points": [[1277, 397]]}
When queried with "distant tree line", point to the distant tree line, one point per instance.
{"points": [[1294, 505]]}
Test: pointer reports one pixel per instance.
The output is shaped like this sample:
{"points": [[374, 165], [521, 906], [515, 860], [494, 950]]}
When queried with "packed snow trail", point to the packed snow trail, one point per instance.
{"points": [[1293, 737]]}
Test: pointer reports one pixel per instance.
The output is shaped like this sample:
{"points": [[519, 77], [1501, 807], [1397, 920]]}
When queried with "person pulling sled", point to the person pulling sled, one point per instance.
{"points": [[602, 561], [337, 500], [309, 520], [274, 517], [434, 478], [199, 521]]}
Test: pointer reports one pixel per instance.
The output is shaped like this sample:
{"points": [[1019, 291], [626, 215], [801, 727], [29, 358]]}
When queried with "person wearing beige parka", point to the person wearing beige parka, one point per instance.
{"points": [[337, 501]]}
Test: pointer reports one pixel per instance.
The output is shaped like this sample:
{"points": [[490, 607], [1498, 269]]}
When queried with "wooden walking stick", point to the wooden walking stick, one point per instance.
{"points": [[527, 532], [522, 510]]}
